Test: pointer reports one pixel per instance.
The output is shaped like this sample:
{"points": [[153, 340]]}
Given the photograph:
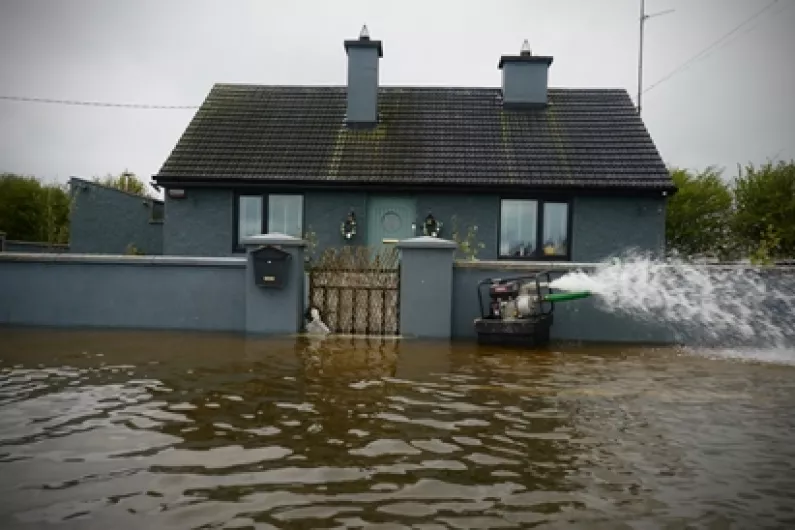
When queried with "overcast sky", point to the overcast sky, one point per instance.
{"points": [[735, 105]]}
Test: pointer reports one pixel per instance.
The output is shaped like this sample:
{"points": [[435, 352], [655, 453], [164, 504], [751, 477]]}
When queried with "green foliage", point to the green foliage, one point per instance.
{"points": [[310, 236], [468, 245], [132, 250], [765, 217], [768, 242], [125, 181], [33, 211], [753, 217], [699, 214]]}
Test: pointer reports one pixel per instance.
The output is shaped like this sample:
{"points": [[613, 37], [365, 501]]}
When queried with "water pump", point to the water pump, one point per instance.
{"points": [[519, 309]]}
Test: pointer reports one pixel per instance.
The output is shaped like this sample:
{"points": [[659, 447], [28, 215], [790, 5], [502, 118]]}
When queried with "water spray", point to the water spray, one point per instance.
{"points": [[727, 305]]}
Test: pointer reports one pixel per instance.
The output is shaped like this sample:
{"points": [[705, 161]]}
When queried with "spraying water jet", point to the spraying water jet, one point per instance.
{"points": [[701, 304]]}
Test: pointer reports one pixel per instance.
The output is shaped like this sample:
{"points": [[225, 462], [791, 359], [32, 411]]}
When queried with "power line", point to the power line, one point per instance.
{"points": [[751, 28], [711, 48], [96, 103]]}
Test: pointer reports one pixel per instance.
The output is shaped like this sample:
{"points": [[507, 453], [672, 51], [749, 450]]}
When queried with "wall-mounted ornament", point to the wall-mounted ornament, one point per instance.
{"points": [[348, 228], [431, 227]]}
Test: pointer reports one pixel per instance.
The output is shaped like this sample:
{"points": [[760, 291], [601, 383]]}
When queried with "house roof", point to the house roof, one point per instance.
{"points": [[584, 138], [74, 181]]}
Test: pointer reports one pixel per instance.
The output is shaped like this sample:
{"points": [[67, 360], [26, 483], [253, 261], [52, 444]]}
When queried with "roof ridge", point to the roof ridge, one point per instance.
{"points": [[94, 183], [410, 87]]}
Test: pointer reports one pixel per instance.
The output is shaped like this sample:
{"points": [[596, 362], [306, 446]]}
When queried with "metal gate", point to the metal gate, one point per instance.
{"points": [[357, 290]]}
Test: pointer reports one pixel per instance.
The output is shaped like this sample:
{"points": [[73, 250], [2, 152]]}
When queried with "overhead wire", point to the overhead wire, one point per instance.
{"points": [[714, 46], [96, 103]]}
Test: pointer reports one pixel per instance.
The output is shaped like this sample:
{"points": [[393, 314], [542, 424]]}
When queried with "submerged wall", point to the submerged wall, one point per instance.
{"points": [[122, 291], [438, 296], [579, 320], [155, 292], [769, 313]]}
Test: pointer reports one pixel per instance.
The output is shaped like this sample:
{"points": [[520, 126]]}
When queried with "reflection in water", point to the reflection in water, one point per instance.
{"points": [[162, 430]]}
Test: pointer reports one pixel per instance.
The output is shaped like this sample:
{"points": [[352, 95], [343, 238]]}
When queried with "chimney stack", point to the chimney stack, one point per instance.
{"points": [[524, 79], [363, 57]]}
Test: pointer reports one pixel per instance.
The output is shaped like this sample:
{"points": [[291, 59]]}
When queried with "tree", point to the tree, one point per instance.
{"points": [[698, 218], [32, 211], [125, 181], [765, 203]]}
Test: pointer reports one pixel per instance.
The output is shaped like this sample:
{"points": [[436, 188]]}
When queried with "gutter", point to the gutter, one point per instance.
{"points": [[442, 187]]}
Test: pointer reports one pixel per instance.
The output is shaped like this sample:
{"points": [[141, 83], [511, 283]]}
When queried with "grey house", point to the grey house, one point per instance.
{"points": [[105, 220], [543, 173]]}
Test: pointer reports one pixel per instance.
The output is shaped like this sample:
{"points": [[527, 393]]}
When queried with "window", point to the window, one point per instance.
{"points": [[249, 217], [286, 214], [518, 228], [275, 213], [534, 229], [156, 212]]}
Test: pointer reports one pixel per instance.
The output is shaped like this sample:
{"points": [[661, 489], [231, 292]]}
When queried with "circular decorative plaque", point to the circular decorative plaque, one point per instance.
{"points": [[391, 222]]}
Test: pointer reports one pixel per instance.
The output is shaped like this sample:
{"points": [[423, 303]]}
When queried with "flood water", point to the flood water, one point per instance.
{"points": [[118, 430]]}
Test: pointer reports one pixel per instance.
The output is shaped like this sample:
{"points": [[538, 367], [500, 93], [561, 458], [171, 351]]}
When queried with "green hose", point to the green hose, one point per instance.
{"points": [[562, 297]]}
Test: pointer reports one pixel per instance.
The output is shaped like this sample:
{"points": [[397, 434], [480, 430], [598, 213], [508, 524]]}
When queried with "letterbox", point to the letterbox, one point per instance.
{"points": [[271, 266]]}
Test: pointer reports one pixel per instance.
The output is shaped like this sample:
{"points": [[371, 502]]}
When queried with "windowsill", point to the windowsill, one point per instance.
{"points": [[562, 257], [522, 266]]}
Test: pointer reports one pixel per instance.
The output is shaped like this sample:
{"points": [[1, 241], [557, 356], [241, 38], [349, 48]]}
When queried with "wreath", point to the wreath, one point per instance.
{"points": [[348, 228], [431, 227]]}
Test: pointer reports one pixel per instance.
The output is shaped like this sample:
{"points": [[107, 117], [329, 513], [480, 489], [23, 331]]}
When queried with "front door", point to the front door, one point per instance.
{"points": [[389, 220]]}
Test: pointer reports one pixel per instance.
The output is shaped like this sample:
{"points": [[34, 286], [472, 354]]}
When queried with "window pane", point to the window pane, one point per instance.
{"points": [[556, 220], [286, 215], [250, 217], [518, 228]]}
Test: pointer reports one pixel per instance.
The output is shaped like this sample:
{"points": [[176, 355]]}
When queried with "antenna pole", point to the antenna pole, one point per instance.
{"points": [[643, 18], [642, 21]]}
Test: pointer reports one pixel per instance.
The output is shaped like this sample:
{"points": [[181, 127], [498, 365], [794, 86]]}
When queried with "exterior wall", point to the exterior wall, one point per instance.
{"points": [[605, 226], [106, 221], [201, 224], [601, 226], [481, 211], [323, 216], [122, 292], [325, 211]]}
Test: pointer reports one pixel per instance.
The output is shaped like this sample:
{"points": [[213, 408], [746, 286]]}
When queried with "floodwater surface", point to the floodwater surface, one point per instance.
{"points": [[123, 430]]}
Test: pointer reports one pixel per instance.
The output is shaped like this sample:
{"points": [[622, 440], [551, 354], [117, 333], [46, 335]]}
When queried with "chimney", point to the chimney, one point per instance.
{"points": [[524, 79], [363, 56]]}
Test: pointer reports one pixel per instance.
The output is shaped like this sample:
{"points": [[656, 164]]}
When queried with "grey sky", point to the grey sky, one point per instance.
{"points": [[734, 106]]}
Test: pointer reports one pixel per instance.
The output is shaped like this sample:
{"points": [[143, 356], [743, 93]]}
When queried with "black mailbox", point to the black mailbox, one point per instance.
{"points": [[271, 266]]}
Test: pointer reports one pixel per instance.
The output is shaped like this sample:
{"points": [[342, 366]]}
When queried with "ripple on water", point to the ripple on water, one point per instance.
{"points": [[598, 440]]}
